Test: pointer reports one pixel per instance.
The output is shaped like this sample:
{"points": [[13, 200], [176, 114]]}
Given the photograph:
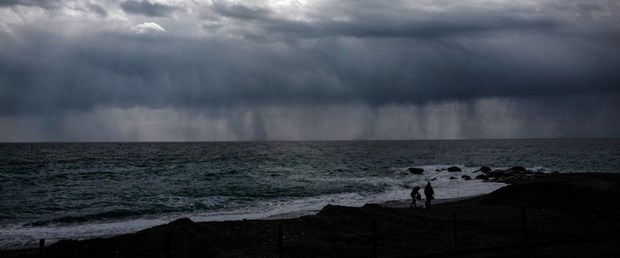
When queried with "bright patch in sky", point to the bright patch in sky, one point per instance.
{"points": [[147, 27]]}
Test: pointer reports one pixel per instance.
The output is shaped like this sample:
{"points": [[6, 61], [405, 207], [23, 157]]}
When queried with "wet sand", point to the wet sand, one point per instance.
{"points": [[570, 215]]}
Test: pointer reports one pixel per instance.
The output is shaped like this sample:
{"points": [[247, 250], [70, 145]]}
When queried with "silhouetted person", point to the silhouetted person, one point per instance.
{"points": [[415, 195], [428, 193]]}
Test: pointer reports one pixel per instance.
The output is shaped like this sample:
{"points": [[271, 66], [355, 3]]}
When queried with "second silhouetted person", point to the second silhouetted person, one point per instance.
{"points": [[428, 193]]}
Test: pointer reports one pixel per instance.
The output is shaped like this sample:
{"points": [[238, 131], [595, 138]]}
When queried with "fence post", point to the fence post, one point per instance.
{"points": [[524, 225], [590, 226], [168, 244], [280, 242], [42, 248], [374, 238], [454, 236]]}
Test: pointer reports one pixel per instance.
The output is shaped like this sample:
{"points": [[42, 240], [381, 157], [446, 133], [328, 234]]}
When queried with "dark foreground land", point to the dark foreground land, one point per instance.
{"points": [[565, 215]]}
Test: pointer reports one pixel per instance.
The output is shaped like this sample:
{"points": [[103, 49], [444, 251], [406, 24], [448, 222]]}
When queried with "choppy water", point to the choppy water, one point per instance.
{"points": [[78, 190]]}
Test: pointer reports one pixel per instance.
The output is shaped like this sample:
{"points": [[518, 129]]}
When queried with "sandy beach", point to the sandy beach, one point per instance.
{"points": [[572, 215]]}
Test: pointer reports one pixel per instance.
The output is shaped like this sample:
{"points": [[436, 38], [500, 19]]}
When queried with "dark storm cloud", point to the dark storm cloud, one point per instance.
{"points": [[242, 12], [46, 4], [51, 75], [401, 26], [368, 54], [412, 29], [147, 8]]}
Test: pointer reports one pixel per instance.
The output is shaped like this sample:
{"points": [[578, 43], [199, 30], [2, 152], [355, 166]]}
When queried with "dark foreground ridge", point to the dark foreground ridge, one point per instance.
{"points": [[567, 215]]}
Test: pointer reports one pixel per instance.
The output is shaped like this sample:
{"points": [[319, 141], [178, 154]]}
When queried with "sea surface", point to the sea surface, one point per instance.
{"points": [[84, 190]]}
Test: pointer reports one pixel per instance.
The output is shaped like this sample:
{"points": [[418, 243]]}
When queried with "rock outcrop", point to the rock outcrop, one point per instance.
{"points": [[454, 169], [416, 171]]}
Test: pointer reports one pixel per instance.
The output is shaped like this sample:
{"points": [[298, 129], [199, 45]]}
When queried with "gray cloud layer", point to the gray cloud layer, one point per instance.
{"points": [[40, 3], [97, 9], [371, 54], [165, 71], [147, 8], [394, 22]]}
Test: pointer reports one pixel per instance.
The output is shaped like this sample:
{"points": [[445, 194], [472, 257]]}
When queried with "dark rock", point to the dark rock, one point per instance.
{"points": [[518, 169], [466, 177], [485, 169], [416, 171], [497, 173], [454, 169], [482, 176], [182, 221], [452, 178]]}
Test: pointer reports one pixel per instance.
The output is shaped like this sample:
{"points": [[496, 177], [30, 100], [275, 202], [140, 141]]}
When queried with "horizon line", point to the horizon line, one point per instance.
{"points": [[317, 140]]}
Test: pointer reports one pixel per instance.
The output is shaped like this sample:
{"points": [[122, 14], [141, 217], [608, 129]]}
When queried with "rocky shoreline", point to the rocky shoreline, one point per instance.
{"points": [[534, 211], [486, 173]]}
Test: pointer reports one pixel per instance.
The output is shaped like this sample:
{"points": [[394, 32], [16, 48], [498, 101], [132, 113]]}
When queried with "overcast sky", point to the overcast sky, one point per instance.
{"points": [[174, 70]]}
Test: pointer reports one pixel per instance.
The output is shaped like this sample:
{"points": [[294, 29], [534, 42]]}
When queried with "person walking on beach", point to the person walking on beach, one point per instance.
{"points": [[428, 193], [415, 195]]}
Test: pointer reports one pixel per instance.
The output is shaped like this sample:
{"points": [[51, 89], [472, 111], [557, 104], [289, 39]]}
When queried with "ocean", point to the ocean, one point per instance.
{"points": [[54, 191]]}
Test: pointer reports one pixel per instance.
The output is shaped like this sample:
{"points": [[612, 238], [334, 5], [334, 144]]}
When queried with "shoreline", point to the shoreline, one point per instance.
{"points": [[20, 237], [404, 203], [401, 203], [344, 230]]}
